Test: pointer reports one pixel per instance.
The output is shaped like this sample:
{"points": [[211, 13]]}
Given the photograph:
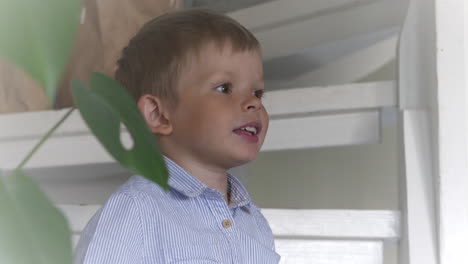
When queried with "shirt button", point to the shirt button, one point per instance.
{"points": [[227, 223]]}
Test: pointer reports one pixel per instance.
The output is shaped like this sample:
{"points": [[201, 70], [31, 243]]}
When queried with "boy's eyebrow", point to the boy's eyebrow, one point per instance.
{"points": [[219, 73], [260, 80], [260, 83], [261, 77]]}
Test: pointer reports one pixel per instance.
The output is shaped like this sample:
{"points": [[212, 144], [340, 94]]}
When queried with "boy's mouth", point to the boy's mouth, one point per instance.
{"points": [[249, 131]]}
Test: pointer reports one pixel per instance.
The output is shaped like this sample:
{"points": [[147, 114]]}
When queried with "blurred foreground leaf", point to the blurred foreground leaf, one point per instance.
{"points": [[37, 37], [32, 230], [103, 107]]}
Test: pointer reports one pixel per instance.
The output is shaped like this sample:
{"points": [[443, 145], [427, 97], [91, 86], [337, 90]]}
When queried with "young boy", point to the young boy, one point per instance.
{"points": [[198, 81]]}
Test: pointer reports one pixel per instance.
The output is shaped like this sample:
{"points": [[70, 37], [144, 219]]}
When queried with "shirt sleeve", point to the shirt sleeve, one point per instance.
{"points": [[114, 235]]}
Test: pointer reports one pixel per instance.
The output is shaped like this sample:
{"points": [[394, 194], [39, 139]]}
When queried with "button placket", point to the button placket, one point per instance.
{"points": [[224, 217], [221, 211]]}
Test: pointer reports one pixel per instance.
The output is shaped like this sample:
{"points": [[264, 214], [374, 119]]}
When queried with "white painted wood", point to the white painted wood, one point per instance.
{"points": [[433, 102], [58, 151], [317, 28], [350, 68], [32, 125], [419, 236], [353, 96], [465, 38], [323, 131], [329, 252], [340, 224], [255, 18], [452, 131], [417, 86]]}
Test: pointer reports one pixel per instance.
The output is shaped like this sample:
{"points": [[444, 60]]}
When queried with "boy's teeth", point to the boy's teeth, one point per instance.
{"points": [[253, 130]]}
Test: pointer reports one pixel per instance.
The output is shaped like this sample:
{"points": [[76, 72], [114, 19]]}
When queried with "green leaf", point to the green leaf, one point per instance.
{"points": [[37, 37], [32, 230], [104, 107]]}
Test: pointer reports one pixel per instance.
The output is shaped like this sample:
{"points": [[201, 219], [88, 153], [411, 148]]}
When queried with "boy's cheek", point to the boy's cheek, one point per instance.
{"points": [[267, 121], [264, 131]]}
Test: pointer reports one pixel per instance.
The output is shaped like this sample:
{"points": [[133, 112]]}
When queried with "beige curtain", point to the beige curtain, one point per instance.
{"points": [[105, 28]]}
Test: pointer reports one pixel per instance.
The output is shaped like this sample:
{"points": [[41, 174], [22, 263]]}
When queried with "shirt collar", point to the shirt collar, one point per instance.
{"points": [[182, 181], [185, 183], [239, 195]]}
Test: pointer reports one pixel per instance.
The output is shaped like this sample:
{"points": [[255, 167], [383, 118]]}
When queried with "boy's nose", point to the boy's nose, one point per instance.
{"points": [[253, 103]]}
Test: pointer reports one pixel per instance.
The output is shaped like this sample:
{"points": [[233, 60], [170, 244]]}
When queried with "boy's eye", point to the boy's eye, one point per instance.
{"points": [[224, 88], [259, 93]]}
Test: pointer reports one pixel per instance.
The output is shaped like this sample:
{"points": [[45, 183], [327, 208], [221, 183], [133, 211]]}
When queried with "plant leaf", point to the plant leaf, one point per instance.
{"points": [[32, 230], [103, 107], [37, 37]]}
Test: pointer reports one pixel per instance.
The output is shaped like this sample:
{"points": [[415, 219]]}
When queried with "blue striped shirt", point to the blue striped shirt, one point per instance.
{"points": [[190, 223]]}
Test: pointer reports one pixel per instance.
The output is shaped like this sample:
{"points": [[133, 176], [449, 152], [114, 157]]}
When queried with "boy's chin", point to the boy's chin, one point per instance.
{"points": [[243, 159]]}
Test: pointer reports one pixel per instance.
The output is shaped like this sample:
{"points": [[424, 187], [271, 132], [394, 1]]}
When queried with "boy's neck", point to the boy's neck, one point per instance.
{"points": [[211, 176]]}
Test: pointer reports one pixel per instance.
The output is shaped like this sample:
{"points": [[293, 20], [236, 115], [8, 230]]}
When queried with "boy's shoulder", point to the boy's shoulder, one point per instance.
{"points": [[124, 210], [139, 189], [139, 185]]}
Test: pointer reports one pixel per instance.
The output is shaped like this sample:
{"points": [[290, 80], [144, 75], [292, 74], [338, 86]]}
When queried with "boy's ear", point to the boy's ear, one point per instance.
{"points": [[155, 114]]}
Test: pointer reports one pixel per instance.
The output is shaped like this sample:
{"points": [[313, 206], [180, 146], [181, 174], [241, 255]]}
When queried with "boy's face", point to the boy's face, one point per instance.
{"points": [[219, 118]]}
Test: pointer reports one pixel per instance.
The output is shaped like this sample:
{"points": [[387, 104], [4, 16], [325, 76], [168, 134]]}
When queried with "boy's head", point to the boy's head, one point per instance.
{"points": [[163, 48], [198, 80]]}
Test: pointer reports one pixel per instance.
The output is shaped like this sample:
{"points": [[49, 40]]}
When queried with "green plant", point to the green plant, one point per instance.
{"points": [[37, 36]]}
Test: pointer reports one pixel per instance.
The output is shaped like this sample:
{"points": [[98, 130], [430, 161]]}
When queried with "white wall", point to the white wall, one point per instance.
{"points": [[350, 177]]}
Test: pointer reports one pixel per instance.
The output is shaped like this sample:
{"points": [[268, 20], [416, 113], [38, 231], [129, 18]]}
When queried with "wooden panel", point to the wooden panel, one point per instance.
{"points": [[323, 131], [419, 225], [353, 96], [433, 101], [349, 68], [254, 17], [452, 131], [417, 89], [33, 125], [335, 21], [329, 252], [56, 152], [362, 224]]}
